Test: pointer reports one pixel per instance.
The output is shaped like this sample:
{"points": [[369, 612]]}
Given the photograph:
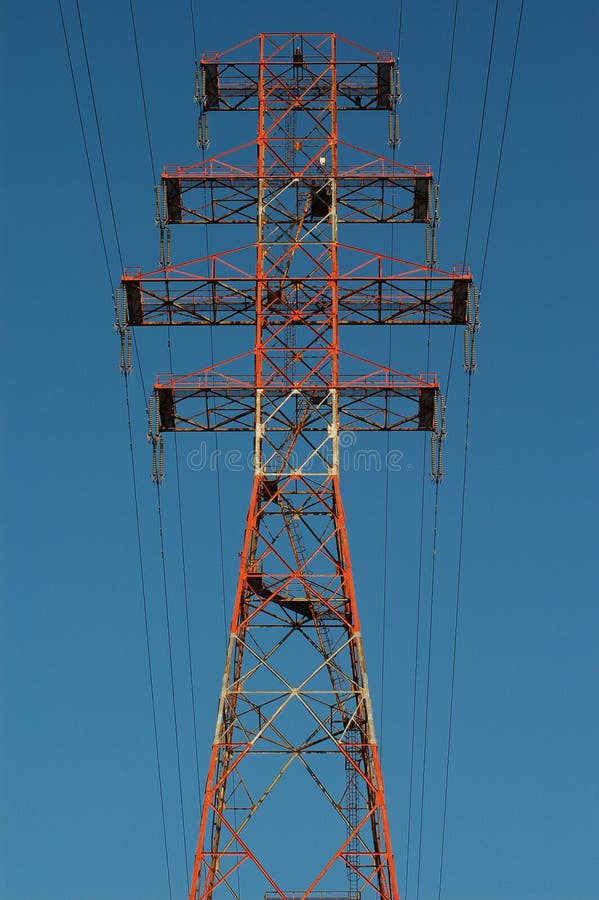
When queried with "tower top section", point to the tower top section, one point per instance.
{"points": [[308, 67]]}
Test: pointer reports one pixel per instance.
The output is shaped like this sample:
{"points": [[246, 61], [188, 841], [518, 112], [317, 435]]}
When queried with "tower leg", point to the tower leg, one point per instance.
{"points": [[291, 724]]}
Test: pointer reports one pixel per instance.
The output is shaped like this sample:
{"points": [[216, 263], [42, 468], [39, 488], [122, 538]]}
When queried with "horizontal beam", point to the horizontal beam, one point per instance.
{"points": [[178, 295], [363, 404], [362, 85], [365, 194]]}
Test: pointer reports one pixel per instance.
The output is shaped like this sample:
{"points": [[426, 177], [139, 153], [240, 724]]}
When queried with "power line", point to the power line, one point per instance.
{"points": [[455, 626], [181, 529], [449, 73], [170, 662], [465, 469], [433, 564], [143, 93], [399, 27], [193, 31], [503, 133], [480, 133], [475, 175], [131, 453], [415, 670], [422, 501], [99, 133], [106, 178], [147, 634], [428, 677], [85, 145]]}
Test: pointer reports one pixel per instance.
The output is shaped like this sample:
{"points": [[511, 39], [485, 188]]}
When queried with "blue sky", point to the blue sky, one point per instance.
{"points": [[80, 815]]}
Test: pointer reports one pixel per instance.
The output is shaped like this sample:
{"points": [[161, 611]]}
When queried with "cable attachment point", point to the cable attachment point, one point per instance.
{"points": [[153, 411], [150, 413], [126, 358], [393, 138], [472, 318], [436, 459], [396, 95], [121, 319], [165, 246], [438, 435], [158, 460], [439, 416], [200, 93], [155, 438], [203, 140], [430, 245], [197, 89], [158, 190], [472, 326], [470, 349], [121, 322]]}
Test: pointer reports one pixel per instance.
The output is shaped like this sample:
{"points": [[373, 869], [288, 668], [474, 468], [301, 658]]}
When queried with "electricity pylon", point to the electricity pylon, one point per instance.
{"points": [[295, 750]]}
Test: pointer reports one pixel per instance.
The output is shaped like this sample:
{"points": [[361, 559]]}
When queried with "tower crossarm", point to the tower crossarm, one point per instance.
{"points": [[370, 189], [371, 289], [283, 66], [363, 403]]}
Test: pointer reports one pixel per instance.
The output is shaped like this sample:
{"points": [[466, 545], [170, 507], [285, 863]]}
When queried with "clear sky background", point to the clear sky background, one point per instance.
{"points": [[79, 812]]}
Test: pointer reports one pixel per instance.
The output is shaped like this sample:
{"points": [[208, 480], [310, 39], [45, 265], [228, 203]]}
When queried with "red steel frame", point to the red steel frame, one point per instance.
{"points": [[295, 700]]}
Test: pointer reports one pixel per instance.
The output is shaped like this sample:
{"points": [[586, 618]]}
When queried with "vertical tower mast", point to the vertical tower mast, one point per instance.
{"points": [[294, 748]]}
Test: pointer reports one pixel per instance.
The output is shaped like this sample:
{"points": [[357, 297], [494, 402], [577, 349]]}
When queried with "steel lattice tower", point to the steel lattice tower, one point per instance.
{"points": [[295, 732]]}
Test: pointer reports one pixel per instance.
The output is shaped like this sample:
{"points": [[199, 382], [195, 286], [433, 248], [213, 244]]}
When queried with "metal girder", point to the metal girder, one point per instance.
{"points": [[370, 289], [370, 190], [291, 69], [284, 714], [363, 404]]}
